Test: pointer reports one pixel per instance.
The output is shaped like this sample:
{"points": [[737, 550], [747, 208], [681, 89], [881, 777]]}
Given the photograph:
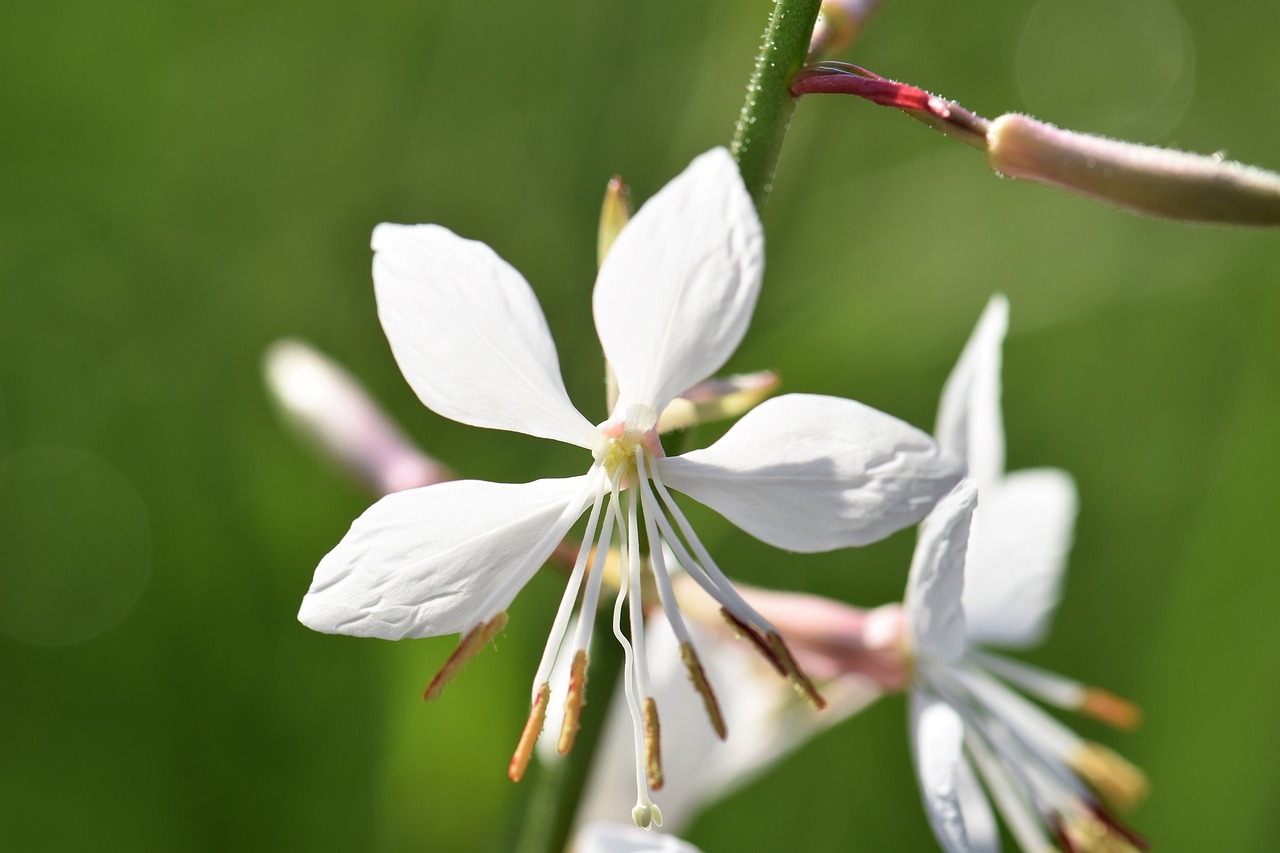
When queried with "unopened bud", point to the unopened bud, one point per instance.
{"points": [[614, 214], [718, 399], [840, 23], [330, 410], [1142, 178]]}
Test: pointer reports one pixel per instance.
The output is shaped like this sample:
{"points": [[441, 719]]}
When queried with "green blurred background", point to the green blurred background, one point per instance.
{"points": [[182, 183]]}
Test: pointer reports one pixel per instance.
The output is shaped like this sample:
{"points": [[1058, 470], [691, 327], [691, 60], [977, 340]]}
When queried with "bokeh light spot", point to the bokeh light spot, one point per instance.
{"points": [[1118, 67], [74, 546]]}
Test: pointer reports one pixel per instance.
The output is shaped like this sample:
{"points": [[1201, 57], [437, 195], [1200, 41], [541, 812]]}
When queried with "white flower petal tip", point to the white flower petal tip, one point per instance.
{"points": [[717, 400], [936, 581], [469, 335], [811, 473], [969, 421], [438, 560], [676, 292]]}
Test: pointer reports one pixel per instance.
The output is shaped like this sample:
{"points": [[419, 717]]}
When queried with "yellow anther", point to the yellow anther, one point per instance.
{"points": [[529, 737], [1110, 709], [573, 702], [652, 746], [1120, 784], [698, 676]]}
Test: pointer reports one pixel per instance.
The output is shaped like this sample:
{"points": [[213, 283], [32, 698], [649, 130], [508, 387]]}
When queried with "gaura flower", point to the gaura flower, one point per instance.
{"points": [[672, 301], [987, 569]]}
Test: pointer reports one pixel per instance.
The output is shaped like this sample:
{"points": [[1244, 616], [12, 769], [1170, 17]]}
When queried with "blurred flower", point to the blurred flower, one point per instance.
{"points": [[331, 411], [672, 301], [839, 24], [987, 568]]}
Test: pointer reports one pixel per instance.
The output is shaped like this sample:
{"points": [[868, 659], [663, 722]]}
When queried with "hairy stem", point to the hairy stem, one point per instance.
{"points": [[762, 123]]}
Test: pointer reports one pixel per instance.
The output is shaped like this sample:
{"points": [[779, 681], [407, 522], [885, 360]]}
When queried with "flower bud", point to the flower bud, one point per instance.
{"points": [[839, 24], [330, 410], [1142, 178]]}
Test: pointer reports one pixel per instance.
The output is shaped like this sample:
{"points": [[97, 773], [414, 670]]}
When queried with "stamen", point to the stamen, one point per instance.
{"points": [[1111, 709], [652, 745], [1120, 784], [472, 642], [529, 737], [506, 591], [799, 678], [1119, 829], [573, 702], [666, 595], [745, 631], [711, 578], [571, 588], [698, 677], [591, 598]]}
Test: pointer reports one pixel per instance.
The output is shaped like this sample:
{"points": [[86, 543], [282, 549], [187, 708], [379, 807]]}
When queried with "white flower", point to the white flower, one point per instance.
{"points": [[999, 585], [672, 301]]}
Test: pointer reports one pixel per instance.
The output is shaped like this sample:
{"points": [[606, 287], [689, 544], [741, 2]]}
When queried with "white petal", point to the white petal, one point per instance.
{"points": [[421, 563], [951, 794], [979, 820], [969, 422], [621, 838], [811, 473], [1021, 537], [469, 335], [676, 291], [935, 586]]}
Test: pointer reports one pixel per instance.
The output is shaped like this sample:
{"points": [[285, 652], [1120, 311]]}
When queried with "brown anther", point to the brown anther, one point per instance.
{"points": [[1110, 709], [1120, 838], [652, 746], [573, 702], [698, 677], [742, 629], [799, 678], [472, 642], [1120, 785], [529, 737]]}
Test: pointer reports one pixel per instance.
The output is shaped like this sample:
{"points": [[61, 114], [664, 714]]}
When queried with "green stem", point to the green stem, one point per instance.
{"points": [[557, 789], [762, 124]]}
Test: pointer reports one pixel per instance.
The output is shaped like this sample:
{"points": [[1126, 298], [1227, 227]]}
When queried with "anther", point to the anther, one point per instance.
{"points": [[1121, 785], [573, 702], [472, 643], [799, 678], [698, 677], [652, 746], [742, 629], [1110, 709], [529, 737]]}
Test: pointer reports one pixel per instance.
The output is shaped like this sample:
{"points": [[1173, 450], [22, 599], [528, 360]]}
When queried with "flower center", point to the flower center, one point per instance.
{"points": [[638, 429]]}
